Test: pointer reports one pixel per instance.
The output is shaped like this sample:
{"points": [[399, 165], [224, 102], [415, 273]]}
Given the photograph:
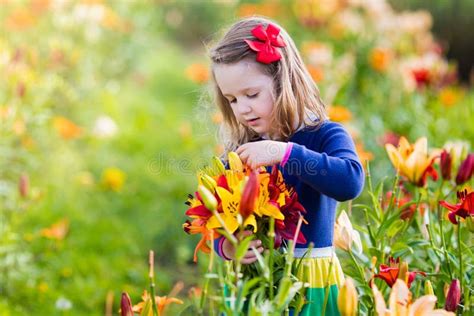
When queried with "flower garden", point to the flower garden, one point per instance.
{"points": [[107, 139]]}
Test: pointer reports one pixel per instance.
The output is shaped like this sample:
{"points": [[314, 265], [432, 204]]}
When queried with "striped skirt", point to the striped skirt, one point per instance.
{"points": [[322, 270]]}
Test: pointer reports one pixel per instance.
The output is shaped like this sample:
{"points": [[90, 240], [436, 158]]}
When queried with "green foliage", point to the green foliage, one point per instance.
{"points": [[128, 61]]}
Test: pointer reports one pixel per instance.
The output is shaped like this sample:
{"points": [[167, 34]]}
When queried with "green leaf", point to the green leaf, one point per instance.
{"points": [[375, 252], [243, 247], [394, 228], [250, 284], [283, 291]]}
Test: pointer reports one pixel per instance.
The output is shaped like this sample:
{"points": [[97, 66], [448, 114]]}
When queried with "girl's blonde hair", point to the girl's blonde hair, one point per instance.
{"points": [[296, 95]]}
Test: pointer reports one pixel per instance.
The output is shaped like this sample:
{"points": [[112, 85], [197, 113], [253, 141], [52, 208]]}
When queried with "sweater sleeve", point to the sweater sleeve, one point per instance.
{"points": [[335, 171]]}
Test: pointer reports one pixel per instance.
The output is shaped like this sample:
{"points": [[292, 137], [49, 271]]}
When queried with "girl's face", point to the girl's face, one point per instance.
{"points": [[249, 92]]}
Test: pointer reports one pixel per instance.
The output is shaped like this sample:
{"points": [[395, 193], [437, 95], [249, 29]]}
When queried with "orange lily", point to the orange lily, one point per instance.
{"points": [[198, 73], [413, 161], [198, 226], [161, 303], [400, 303], [56, 231], [66, 128]]}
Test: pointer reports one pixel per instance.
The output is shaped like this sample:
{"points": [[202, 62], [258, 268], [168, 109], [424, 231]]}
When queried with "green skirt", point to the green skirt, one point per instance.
{"points": [[324, 276]]}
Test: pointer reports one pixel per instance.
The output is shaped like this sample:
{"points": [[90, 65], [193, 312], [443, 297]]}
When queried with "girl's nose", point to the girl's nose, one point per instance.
{"points": [[244, 107]]}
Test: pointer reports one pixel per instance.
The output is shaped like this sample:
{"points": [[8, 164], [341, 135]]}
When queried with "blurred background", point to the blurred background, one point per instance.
{"points": [[105, 119]]}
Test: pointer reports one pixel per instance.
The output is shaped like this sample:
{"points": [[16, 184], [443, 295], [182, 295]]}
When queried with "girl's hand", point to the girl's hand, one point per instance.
{"points": [[262, 153], [229, 251]]}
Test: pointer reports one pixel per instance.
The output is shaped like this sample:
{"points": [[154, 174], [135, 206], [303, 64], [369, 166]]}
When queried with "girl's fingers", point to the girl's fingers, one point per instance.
{"points": [[244, 157], [255, 243], [248, 261], [240, 149], [250, 254]]}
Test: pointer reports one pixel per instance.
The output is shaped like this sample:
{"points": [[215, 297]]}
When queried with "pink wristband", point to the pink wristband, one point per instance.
{"points": [[221, 251], [289, 147]]}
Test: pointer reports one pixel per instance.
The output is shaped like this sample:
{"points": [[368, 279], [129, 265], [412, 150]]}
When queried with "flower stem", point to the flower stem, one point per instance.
{"points": [[359, 268], [152, 282], [440, 219], [461, 274], [271, 234], [206, 283]]}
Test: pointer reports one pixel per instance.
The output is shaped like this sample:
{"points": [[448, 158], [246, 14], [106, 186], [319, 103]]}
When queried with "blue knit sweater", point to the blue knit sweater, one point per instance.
{"points": [[323, 167]]}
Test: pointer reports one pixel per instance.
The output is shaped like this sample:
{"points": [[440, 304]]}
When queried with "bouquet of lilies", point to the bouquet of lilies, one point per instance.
{"points": [[235, 199]]}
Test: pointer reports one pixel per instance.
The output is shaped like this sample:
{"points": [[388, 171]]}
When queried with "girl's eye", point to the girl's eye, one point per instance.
{"points": [[251, 96]]}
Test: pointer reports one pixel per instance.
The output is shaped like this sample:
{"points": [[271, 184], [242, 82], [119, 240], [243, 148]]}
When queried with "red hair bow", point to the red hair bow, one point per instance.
{"points": [[267, 52]]}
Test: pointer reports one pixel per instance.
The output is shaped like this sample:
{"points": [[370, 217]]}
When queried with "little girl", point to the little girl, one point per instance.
{"points": [[273, 114]]}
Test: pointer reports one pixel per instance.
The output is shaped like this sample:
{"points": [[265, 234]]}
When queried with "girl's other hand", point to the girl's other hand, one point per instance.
{"points": [[250, 257], [262, 153]]}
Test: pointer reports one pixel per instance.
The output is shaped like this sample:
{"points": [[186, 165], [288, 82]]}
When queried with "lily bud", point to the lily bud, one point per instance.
{"points": [[445, 164], [208, 198], [373, 262], [217, 166], [126, 305], [249, 196], [23, 185], [453, 297], [466, 169], [345, 235], [208, 182], [403, 272], [428, 288], [234, 162], [347, 299]]}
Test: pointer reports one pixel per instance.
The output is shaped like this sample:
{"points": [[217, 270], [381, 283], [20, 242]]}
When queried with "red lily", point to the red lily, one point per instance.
{"points": [[421, 76], [454, 296], [445, 164], [463, 209], [405, 197], [390, 273], [126, 305], [276, 184], [285, 229], [197, 209], [249, 196], [466, 170]]}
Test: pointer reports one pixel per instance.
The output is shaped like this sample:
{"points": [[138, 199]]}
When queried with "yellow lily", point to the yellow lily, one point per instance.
{"points": [[235, 163], [400, 303], [264, 206], [230, 206], [413, 161], [347, 299]]}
